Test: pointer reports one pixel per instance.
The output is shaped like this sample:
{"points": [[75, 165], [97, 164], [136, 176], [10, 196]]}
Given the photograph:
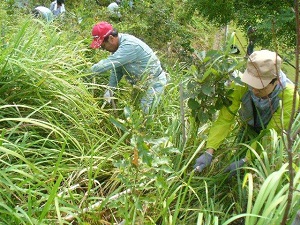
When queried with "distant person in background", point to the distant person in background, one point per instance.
{"points": [[114, 10], [234, 48], [22, 3], [251, 40], [57, 7], [130, 4], [131, 58], [264, 102], [43, 12]]}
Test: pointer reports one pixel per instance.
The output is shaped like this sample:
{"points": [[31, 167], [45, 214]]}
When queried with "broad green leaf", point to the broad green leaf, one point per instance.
{"points": [[193, 104], [207, 89]]}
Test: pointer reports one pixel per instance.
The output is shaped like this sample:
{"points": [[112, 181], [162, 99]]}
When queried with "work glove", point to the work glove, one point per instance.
{"points": [[107, 95], [233, 167], [203, 161]]}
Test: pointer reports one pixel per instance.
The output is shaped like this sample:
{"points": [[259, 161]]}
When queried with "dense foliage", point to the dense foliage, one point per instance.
{"points": [[274, 21], [67, 158]]}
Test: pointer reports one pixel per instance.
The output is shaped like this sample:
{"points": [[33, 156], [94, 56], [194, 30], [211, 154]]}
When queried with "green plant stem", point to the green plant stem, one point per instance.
{"points": [[289, 132]]}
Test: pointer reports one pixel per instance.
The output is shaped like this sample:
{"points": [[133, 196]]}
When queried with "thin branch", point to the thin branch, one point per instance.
{"points": [[182, 113], [290, 139]]}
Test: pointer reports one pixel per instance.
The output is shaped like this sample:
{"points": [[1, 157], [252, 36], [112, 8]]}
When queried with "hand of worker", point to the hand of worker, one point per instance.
{"points": [[233, 167], [203, 161], [107, 95]]}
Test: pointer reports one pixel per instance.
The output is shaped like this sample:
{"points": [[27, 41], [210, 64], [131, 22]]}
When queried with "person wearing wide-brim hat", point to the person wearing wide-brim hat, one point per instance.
{"points": [[264, 102], [131, 58]]}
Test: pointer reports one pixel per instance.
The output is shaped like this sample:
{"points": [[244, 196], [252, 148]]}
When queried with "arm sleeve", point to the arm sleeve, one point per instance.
{"points": [[226, 118], [126, 53], [115, 62], [281, 118], [115, 77]]}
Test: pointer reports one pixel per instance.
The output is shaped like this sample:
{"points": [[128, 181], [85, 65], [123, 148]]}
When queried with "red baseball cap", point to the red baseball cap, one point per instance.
{"points": [[99, 32]]}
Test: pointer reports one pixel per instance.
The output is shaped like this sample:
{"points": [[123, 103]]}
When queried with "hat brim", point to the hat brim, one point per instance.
{"points": [[255, 82], [96, 43]]}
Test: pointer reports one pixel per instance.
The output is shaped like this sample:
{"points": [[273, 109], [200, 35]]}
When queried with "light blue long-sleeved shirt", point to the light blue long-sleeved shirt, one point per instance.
{"points": [[45, 13], [133, 58]]}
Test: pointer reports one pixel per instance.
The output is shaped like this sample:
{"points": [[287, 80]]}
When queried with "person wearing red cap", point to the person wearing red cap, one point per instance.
{"points": [[264, 102], [131, 58]]}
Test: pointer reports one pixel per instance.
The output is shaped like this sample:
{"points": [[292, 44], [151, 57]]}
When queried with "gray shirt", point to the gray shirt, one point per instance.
{"points": [[133, 58], [45, 13]]}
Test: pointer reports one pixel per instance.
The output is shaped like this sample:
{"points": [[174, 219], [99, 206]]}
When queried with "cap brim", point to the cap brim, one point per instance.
{"points": [[96, 43], [255, 82]]}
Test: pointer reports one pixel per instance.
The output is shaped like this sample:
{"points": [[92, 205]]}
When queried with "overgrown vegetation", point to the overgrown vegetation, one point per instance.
{"points": [[67, 158]]}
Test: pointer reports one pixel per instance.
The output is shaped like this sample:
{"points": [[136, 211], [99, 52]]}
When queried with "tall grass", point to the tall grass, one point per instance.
{"points": [[65, 158]]}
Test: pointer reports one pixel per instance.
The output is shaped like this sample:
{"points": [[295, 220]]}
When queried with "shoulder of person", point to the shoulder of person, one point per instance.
{"points": [[289, 89], [126, 37], [238, 89]]}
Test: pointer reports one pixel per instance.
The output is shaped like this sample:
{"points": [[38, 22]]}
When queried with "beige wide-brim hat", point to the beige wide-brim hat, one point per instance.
{"points": [[262, 67]]}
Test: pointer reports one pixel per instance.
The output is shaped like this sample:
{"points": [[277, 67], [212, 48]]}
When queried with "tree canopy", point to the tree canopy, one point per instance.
{"points": [[274, 20]]}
